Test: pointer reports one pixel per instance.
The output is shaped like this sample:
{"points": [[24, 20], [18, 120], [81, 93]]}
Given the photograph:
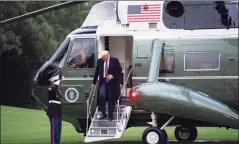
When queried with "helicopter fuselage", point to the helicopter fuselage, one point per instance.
{"points": [[204, 60]]}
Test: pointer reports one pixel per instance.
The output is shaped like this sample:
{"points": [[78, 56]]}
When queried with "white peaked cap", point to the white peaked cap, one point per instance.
{"points": [[55, 78], [57, 82]]}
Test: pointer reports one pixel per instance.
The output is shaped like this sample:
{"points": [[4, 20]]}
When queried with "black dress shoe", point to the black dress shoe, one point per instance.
{"points": [[110, 118], [104, 116]]}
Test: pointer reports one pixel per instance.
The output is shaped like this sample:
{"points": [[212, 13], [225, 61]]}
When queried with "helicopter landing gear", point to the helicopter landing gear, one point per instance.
{"points": [[186, 133], [155, 135]]}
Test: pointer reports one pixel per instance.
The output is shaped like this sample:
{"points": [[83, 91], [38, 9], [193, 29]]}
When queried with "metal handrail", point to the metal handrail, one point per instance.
{"points": [[122, 92], [92, 101], [89, 106]]}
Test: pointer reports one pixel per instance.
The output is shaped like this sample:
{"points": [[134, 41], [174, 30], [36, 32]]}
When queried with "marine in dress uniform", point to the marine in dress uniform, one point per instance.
{"points": [[54, 112]]}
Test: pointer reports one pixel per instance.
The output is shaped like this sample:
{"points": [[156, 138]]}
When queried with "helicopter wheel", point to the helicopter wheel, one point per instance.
{"points": [[185, 133], [154, 135]]}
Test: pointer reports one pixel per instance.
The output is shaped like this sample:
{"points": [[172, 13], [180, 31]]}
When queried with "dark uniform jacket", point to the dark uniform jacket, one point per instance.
{"points": [[54, 109]]}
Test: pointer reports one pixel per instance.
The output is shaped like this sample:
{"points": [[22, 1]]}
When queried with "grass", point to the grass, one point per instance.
{"points": [[27, 126]]}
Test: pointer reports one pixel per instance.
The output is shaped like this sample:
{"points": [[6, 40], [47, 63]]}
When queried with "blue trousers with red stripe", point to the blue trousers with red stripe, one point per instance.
{"points": [[56, 124]]}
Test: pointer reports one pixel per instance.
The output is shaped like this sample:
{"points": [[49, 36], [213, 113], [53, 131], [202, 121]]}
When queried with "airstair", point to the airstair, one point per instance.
{"points": [[104, 129]]}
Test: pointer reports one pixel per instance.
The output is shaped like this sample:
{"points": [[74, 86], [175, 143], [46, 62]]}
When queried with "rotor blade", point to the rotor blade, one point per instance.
{"points": [[41, 11]]}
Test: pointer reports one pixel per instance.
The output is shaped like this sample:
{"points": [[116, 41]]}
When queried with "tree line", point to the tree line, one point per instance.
{"points": [[25, 44]]}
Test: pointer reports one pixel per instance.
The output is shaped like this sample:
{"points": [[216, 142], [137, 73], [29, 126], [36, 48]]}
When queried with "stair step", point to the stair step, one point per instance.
{"points": [[115, 111], [106, 118], [121, 106], [121, 109], [97, 131], [103, 127], [100, 123], [95, 135]]}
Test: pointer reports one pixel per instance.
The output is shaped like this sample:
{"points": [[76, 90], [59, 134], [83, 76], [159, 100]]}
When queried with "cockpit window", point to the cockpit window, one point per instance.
{"points": [[82, 53], [200, 15], [47, 71], [61, 63], [61, 51]]}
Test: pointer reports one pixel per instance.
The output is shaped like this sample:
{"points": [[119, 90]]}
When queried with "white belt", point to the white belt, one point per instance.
{"points": [[53, 101]]}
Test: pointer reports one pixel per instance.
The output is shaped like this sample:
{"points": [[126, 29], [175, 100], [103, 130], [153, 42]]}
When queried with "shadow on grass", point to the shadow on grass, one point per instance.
{"points": [[170, 142], [139, 142]]}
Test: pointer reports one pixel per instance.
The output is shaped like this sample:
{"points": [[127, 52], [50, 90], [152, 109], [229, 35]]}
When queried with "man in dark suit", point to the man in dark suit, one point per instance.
{"points": [[109, 71]]}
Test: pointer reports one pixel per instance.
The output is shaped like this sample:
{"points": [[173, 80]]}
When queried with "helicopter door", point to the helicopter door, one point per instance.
{"points": [[79, 70]]}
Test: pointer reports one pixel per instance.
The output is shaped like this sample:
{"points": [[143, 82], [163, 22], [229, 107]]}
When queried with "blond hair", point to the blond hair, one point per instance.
{"points": [[104, 52]]}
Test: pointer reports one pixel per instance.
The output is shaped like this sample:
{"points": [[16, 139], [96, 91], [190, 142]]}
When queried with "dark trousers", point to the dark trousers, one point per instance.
{"points": [[106, 96], [56, 124]]}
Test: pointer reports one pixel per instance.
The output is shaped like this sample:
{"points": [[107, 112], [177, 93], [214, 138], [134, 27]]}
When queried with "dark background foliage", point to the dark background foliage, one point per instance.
{"points": [[25, 44]]}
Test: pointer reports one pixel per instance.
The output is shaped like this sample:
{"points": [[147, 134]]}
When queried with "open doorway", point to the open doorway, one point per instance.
{"points": [[120, 47]]}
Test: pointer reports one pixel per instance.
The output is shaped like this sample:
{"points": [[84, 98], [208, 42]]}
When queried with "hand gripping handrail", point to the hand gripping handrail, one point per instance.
{"points": [[122, 92], [92, 92]]}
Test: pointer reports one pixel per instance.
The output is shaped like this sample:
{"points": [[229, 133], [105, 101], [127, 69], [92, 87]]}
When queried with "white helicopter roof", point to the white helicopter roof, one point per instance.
{"points": [[110, 18], [101, 11]]}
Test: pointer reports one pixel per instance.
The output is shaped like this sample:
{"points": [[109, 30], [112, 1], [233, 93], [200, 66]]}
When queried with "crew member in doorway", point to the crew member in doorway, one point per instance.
{"points": [[54, 111], [79, 61], [109, 71], [83, 60]]}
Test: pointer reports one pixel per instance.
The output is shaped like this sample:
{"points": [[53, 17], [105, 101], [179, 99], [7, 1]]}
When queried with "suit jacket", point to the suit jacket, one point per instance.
{"points": [[115, 70]]}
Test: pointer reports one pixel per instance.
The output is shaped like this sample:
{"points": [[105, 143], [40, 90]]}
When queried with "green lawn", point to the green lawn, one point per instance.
{"points": [[26, 126]]}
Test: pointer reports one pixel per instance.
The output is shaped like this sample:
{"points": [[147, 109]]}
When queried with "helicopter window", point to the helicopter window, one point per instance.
{"points": [[46, 71], [61, 64], [82, 53], [167, 63], [202, 61], [201, 15], [61, 51]]}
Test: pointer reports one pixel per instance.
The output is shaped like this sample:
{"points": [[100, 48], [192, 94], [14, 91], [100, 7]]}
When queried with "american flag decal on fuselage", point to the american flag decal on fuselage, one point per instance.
{"points": [[144, 13]]}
